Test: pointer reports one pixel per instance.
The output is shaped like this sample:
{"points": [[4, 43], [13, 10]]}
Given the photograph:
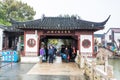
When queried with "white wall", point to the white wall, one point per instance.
{"points": [[107, 36], [1, 38], [116, 37]]}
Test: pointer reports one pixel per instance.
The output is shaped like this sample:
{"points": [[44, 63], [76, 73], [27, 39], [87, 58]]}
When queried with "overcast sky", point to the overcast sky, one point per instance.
{"points": [[90, 10]]}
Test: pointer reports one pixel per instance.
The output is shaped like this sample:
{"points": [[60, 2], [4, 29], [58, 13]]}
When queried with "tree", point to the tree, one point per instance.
{"points": [[16, 10]]}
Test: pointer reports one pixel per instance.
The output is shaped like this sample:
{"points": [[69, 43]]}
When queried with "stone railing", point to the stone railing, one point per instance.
{"points": [[94, 71]]}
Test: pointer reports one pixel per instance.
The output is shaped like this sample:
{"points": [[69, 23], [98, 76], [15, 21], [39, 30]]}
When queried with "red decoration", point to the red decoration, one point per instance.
{"points": [[86, 43], [31, 42]]}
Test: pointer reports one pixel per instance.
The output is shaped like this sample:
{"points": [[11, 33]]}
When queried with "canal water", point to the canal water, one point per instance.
{"points": [[116, 67]]}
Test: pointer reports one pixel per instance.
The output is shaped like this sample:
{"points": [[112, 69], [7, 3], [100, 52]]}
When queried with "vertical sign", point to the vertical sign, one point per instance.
{"points": [[31, 43], [86, 44]]}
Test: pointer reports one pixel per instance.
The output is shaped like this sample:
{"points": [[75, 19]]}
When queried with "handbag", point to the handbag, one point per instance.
{"points": [[68, 57], [43, 58]]}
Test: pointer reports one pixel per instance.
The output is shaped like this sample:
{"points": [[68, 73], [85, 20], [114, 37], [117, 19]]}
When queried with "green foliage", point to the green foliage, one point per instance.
{"points": [[53, 41], [4, 22], [16, 10], [57, 41]]}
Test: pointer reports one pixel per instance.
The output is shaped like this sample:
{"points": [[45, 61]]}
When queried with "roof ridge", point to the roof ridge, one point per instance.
{"points": [[61, 17]]}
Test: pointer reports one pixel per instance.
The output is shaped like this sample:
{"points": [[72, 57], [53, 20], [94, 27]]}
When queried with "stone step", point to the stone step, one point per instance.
{"points": [[28, 59]]}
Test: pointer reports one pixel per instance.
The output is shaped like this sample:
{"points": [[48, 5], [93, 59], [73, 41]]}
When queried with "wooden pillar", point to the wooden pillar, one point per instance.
{"points": [[6, 42], [38, 45], [93, 54], [78, 38], [38, 37], [40, 33], [78, 41], [24, 43]]}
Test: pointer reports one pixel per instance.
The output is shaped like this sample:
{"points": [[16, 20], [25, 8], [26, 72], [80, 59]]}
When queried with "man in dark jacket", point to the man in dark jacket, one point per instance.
{"points": [[51, 54]]}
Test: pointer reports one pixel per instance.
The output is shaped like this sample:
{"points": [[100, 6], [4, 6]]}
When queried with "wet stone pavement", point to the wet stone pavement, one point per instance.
{"points": [[19, 72]]}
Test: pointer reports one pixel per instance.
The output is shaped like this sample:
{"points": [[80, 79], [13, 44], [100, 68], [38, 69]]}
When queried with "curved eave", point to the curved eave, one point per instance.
{"points": [[95, 24], [104, 22]]}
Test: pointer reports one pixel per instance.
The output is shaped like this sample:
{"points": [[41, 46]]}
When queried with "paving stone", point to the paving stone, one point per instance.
{"points": [[19, 72]]}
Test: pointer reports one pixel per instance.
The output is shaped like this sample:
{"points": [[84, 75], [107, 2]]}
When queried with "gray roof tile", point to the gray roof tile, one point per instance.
{"points": [[59, 23]]}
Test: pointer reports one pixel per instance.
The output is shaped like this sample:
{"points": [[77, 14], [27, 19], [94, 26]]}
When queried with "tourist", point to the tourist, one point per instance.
{"points": [[70, 52], [42, 54], [73, 53], [62, 51], [51, 54], [67, 54], [55, 50], [46, 51]]}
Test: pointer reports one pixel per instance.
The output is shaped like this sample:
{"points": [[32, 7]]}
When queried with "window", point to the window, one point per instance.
{"points": [[110, 37]]}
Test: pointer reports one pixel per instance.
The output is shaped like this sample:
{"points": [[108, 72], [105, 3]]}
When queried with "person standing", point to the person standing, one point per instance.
{"points": [[73, 53], [55, 50], [67, 54], [42, 53], [62, 51], [46, 51], [51, 54], [70, 52]]}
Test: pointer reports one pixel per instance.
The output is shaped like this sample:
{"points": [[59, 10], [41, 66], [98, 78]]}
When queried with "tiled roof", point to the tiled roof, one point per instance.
{"points": [[3, 27], [13, 29], [59, 23], [117, 30], [98, 35], [10, 28]]}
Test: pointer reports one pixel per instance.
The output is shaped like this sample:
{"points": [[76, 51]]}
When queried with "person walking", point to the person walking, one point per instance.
{"points": [[51, 54]]}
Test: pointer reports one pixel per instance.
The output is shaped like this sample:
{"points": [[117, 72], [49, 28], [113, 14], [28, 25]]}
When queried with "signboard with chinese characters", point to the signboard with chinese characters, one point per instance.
{"points": [[58, 32], [86, 44]]}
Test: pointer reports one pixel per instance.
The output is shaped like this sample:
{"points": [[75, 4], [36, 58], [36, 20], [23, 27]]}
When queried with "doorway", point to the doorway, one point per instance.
{"points": [[58, 41]]}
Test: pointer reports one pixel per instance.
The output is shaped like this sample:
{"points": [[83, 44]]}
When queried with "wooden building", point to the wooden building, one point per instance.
{"points": [[81, 31], [9, 37]]}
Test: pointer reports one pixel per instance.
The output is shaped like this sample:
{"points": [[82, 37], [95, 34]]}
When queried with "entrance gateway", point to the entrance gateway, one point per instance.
{"points": [[80, 31]]}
